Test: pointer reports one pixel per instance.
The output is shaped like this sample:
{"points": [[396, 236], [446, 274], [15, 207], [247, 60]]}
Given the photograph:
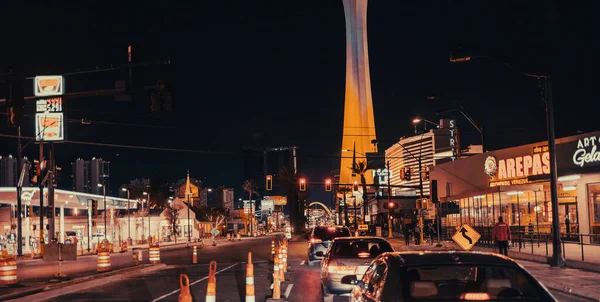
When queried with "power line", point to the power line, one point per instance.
{"points": [[126, 146]]}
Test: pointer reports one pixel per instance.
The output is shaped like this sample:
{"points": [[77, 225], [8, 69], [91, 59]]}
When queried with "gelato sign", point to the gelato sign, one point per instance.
{"points": [[587, 151]]}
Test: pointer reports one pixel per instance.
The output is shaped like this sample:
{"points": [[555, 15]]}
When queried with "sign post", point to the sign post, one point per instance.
{"points": [[466, 237]]}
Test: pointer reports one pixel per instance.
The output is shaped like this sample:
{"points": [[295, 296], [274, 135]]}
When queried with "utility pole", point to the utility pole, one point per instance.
{"points": [[41, 187], [420, 212], [391, 211], [19, 192]]}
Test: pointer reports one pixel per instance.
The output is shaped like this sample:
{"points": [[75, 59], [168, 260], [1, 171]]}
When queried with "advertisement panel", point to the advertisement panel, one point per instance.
{"points": [[48, 85], [278, 200], [49, 126]]}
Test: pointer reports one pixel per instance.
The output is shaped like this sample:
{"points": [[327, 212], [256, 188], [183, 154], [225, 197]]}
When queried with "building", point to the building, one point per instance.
{"points": [[9, 173], [258, 163], [225, 198], [89, 176], [359, 119], [514, 183]]}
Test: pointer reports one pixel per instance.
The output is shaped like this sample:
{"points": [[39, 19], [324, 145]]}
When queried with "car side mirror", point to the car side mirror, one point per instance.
{"points": [[350, 279], [319, 254]]}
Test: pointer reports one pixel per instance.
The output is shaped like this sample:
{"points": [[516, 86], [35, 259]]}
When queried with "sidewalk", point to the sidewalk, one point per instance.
{"points": [[574, 281]]}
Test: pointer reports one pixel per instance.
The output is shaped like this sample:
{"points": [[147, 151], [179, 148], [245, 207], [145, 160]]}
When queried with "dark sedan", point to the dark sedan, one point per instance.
{"points": [[446, 276]]}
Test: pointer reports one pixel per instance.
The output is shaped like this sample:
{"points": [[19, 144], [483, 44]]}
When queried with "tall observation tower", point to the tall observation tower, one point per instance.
{"points": [[359, 121]]}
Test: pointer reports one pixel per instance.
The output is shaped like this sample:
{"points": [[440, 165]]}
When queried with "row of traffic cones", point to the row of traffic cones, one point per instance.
{"points": [[279, 255]]}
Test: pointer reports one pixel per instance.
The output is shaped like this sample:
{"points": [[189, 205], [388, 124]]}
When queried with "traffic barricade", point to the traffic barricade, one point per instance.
{"points": [[195, 255], [184, 286], [211, 287], [8, 269], [154, 253], [103, 260]]}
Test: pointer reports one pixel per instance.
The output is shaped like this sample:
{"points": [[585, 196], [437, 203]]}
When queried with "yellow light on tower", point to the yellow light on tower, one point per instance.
{"points": [[328, 184], [269, 182], [302, 184]]}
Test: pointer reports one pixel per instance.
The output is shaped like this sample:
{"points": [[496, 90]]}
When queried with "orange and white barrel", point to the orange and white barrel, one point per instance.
{"points": [[103, 260], [8, 270], [195, 255], [250, 297], [154, 253], [211, 287]]}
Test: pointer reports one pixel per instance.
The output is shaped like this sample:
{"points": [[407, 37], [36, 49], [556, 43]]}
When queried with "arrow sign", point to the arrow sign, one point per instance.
{"points": [[466, 237], [464, 234]]}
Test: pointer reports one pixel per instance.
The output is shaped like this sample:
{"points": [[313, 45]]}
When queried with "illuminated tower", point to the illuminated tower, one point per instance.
{"points": [[359, 121]]}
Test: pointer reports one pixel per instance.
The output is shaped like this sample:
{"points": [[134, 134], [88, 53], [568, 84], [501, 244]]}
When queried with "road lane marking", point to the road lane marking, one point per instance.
{"points": [[303, 261], [193, 283], [288, 290]]}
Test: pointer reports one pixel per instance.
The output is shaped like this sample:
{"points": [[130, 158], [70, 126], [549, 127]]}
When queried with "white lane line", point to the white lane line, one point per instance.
{"points": [[195, 282], [303, 261], [288, 290]]}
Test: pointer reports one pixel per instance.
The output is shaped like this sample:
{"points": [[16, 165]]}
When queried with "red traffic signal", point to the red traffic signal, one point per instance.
{"points": [[390, 205], [355, 186], [328, 184], [269, 182], [302, 182]]}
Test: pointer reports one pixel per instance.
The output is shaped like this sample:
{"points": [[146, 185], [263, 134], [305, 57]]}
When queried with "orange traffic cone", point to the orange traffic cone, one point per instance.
{"points": [[211, 288], [195, 255], [276, 285], [250, 279], [184, 295]]}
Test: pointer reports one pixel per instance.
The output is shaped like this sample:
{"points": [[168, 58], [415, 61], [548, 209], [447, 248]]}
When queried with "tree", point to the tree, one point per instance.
{"points": [[171, 214], [216, 215], [361, 169], [250, 187], [159, 191], [288, 180], [139, 221], [344, 191]]}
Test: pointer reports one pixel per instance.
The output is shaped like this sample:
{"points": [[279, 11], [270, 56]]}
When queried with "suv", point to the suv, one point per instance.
{"points": [[320, 239]]}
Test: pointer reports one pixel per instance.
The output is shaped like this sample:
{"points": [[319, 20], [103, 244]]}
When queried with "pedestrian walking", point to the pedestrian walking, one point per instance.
{"points": [[501, 235], [406, 231]]}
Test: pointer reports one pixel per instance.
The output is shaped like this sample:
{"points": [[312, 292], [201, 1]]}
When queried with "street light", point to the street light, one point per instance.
{"points": [[557, 258], [129, 240], [149, 235], [104, 190]]}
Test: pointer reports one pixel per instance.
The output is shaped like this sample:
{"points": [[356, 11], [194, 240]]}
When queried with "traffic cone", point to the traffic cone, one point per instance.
{"points": [[273, 249], [211, 288], [184, 295], [280, 263], [276, 285], [195, 255], [250, 279]]}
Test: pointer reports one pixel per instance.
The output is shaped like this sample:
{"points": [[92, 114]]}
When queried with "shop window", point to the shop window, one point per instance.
{"points": [[594, 209]]}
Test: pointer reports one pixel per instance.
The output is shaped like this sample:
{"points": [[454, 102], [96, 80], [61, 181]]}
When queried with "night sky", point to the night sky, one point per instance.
{"points": [[272, 73]]}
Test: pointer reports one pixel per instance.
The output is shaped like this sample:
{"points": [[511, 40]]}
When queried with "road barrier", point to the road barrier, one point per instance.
{"points": [[280, 262], [184, 287], [103, 260], [135, 257], [276, 284], [273, 249], [250, 279], [154, 253], [211, 287], [8, 270], [195, 255]]}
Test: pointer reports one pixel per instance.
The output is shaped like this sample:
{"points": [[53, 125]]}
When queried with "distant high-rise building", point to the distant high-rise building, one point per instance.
{"points": [[89, 174], [225, 199], [9, 173], [258, 163]]}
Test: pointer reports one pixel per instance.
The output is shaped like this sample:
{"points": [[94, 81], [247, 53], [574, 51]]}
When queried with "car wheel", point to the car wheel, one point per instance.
{"points": [[327, 297]]}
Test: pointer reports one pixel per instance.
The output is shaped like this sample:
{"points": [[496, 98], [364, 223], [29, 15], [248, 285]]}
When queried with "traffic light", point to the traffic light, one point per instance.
{"points": [[269, 182], [355, 186], [16, 103], [433, 191], [425, 174], [407, 174], [418, 204], [302, 184], [134, 83], [94, 207], [402, 173], [424, 203], [163, 94], [328, 184]]}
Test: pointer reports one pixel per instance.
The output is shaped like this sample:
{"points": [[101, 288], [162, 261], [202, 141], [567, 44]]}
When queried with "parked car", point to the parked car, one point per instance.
{"points": [[348, 256], [445, 276], [319, 240]]}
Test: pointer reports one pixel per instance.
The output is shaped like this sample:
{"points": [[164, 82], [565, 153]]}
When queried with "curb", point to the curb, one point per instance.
{"points": [[55, 290], [557, 286]]}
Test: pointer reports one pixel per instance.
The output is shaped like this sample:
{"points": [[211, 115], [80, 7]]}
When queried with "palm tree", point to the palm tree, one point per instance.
{"points": [[361, 169], [288, 180], [250, 187], [344, 191]]}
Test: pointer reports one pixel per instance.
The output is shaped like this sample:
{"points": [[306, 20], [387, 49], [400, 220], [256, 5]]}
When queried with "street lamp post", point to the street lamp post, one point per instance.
{"points": [[188, 194], [129, 240], [557, 257], [148, 205], [104, 191]]}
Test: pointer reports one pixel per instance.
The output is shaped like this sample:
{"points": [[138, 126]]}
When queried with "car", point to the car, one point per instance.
{"points": [[319, 240], [445, 276], [346, 256]]}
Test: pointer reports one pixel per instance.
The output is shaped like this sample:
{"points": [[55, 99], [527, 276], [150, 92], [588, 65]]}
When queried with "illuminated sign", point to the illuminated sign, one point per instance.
{"points": [[523, 166], [48, 85], [382, 175], [53, 104], [49, 127], [277, 200], [267, 205], [587, 151]]}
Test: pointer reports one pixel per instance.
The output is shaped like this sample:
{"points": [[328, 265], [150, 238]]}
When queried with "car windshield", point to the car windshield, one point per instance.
{"points": [[468, 282], [360, 249], [328, 234]]}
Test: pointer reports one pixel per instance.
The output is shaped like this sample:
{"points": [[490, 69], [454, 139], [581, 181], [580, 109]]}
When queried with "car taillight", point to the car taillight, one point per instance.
{"points": [[313, 241], [342, 270], [475, 297]]}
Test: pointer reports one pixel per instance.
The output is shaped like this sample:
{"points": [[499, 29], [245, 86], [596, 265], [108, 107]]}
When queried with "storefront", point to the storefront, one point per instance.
{"points": [[514, 183]]}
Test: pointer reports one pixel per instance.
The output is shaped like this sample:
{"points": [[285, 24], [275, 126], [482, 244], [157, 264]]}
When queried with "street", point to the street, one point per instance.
{"points": [[303, 284]]}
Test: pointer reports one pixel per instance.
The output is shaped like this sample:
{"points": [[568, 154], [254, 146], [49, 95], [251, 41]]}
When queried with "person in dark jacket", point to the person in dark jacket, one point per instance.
{"points": [[501, 235], [406, 231]]}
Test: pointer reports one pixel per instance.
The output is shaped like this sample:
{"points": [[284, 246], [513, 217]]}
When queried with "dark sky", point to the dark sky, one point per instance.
{"points": [[273, 72]]}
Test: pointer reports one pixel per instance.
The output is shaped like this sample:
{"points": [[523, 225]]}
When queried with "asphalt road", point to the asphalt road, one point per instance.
{"points": [[303, 283]]}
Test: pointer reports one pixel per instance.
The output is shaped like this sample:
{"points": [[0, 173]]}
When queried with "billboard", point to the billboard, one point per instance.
{"points": [[48, 85], [49, 126], [277, 200], [267, 205]]}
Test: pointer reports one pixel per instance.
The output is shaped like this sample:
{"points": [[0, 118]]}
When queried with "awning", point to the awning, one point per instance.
{"points": [[68, 199]]}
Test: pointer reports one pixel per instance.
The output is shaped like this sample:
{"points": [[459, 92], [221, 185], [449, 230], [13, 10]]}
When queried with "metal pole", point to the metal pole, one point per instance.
{"points": [[439, 221], [421, 192], [104, 187], [391, 211], [150, 235], [51, 170], [557, 258], [345, 210], [128, 219], [188, 219], [482, 139], [19, 190], [41, 186], [89, 212]]}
